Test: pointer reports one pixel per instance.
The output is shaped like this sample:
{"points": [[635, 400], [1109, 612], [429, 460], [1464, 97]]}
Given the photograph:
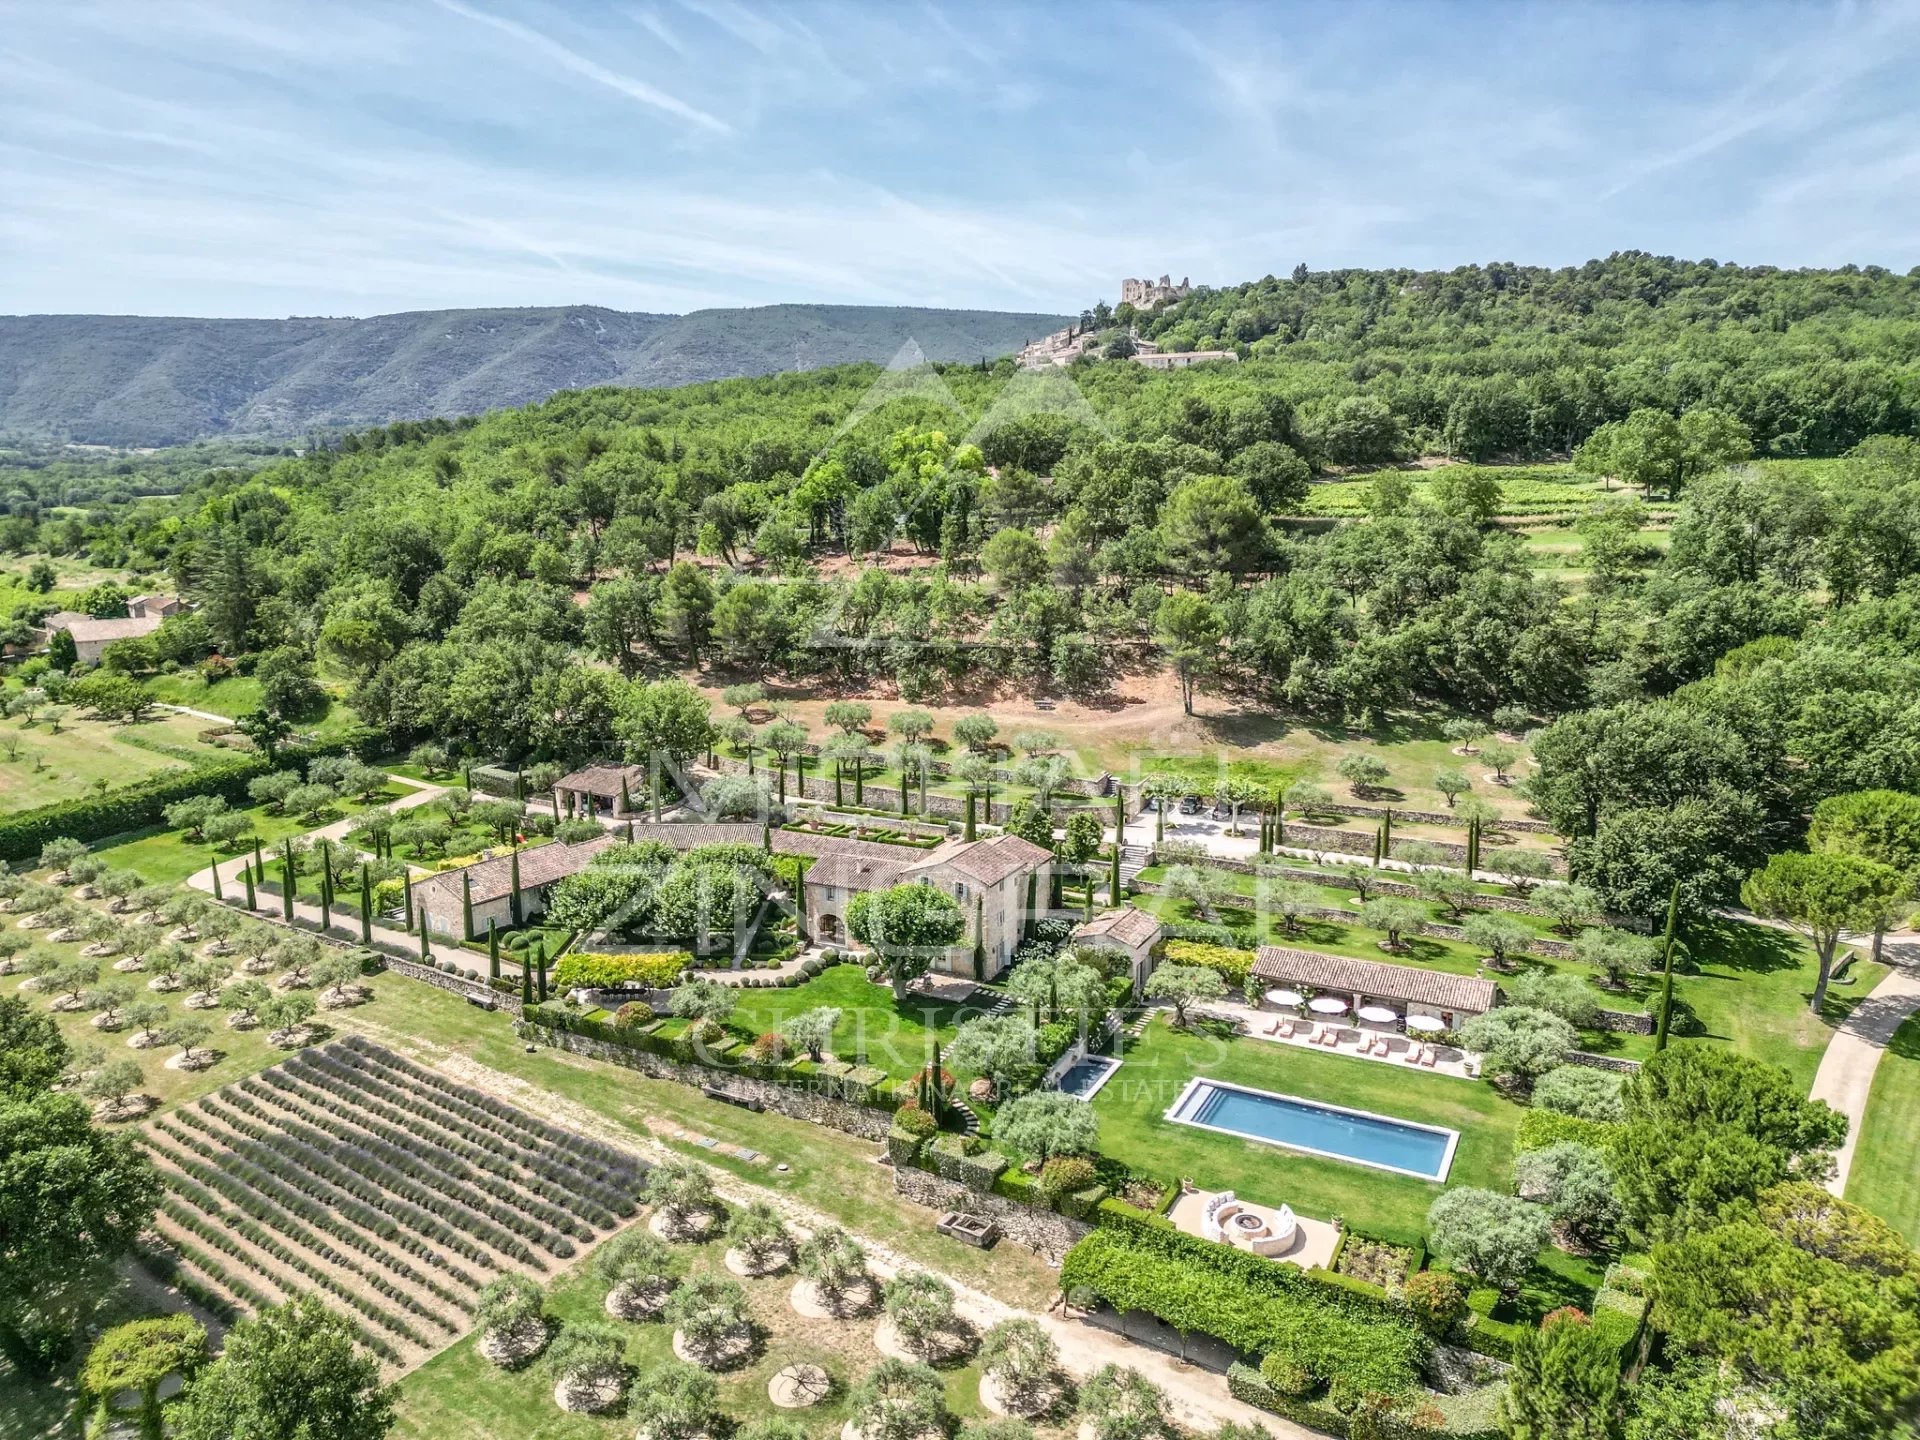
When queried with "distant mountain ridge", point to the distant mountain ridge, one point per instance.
{"points": [[149, 380]]}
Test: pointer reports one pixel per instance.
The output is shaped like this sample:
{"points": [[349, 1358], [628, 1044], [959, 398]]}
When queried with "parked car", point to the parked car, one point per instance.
{"points": [[1189, 804]]}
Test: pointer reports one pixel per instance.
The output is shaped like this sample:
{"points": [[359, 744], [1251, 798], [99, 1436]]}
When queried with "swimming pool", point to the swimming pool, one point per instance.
{"points": [[1402, 1146], [1087, 1075]]}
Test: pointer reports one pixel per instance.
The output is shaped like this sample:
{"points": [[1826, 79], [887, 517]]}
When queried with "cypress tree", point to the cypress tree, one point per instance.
{"points": [[1473, 846], [1378, 836], [493, 949], [800, 897], [626, 796], [1386, 833], [540, 959], [766, 834], [839, 793], [1113, 877], [466, 904], [290, 878], [1033, 901], [216, 877], [1666, 972], [979, 940], [1159, 818], [259, 863], [519, 784], [246, 874], [513, 903], [629, 832], [366, 909], [526, 983], [970, 833], [426, 954], [406, 887], [1279, 829]]}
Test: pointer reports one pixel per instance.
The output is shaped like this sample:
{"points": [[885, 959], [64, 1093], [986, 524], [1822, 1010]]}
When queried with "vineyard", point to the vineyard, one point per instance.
{"points": [[393, 1192]]}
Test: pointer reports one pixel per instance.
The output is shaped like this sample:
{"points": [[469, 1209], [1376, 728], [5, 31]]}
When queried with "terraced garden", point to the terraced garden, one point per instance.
{"points": [[395, 1193]]}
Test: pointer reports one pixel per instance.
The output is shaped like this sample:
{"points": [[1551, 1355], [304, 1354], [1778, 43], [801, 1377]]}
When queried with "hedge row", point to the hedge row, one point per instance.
{"points": [[860, 1085], [947, 1156], [1352, 1342], [615, 972], [133, 807], [1540, 1128]]}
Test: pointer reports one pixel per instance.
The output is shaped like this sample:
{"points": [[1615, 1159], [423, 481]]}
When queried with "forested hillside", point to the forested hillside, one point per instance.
{"points": [[979, 526], [139, 380]]}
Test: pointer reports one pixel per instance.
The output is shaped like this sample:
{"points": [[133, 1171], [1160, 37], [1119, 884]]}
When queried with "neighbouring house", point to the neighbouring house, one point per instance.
{"points": [[442, 899], [1181, 359], [1405, 989], [998, 883], [1129, 930], [617, 790], [91, 637], [140, 607]]}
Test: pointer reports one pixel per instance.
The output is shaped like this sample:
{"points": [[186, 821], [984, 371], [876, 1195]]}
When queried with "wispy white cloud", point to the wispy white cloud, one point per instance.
{"points": [[573, 60]]}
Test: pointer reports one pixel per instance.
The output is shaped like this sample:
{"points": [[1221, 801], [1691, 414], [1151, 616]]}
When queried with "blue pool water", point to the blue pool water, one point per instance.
{"points": [[1087, 1076], [1386, 1144]]}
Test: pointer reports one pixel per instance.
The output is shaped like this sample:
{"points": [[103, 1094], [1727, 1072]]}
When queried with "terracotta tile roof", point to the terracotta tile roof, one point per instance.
{"points": [[985, 862], [856, 872], [605, 780], [1372, 977], [1130, 926], [493, 879], [107, 631]]}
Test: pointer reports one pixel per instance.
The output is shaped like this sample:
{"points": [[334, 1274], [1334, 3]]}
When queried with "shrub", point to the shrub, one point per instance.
{"points": [[771, 1048], [1046, 1124], [1230, 964], [915, 1121], [617, 972], [1556, 993], [1436, 1300], [1065, 1174], [1580, 1091], [1541, 1128], [1286, 1374]]}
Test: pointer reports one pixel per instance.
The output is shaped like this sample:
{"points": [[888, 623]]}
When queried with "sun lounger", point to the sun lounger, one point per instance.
{"points": [[1272, 1027], [1285, 1029], [1412, 1056], [1429, 1057]]}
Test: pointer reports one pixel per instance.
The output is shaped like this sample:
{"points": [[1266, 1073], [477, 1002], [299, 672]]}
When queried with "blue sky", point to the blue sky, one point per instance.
{"points": [[274, 157]]}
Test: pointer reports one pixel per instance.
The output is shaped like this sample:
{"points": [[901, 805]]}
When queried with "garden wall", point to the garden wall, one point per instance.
{"points": [[863, 1121], [1047, 1233]]}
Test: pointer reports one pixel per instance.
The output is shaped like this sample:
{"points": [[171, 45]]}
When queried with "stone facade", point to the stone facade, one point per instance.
{"points": [[1047, 1233], [1151, 294], [863, 1121]]}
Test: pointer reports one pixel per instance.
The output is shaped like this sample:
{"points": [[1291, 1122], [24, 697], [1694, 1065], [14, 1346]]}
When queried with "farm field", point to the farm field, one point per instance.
{"points": [[39, 766]]}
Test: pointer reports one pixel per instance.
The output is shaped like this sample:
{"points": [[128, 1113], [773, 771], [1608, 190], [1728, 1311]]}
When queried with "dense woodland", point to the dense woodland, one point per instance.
{"points": [[1696, 703]]}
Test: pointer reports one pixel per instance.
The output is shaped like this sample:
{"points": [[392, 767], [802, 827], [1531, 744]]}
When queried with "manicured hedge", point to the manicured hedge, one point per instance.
{"points": [[1540, 1128], [948, 1157], [1250, 1387], [1230, 963], [1354, 1342], [144, 803], [615, 972]]}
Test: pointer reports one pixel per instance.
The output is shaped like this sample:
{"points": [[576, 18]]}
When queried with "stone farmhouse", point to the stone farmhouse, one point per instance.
{"points": [[1130, 932], [442, 900], [997, 882]]}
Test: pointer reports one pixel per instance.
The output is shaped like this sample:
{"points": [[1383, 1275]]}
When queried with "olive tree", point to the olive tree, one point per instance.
{"points": [[1492, 1236]]}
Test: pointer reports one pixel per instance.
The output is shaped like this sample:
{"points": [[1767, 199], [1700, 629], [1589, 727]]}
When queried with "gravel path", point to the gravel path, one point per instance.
{"points": [[1845, 1077]]}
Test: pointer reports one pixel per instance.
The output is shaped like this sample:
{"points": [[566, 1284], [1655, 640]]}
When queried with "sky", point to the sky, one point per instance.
{"points": [[358, 157]]}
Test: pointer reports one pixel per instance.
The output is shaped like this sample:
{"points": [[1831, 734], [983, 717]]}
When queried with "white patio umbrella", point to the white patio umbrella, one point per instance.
{"points": [[1285, 998], [1327, 1005], [1376, 1014], [1428, 1023]]}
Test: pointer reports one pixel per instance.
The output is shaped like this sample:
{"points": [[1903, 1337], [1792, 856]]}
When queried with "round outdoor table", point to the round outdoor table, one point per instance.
{"points": [[1425, 1022], [1327, 1005], [1377, 1014], [1285, 998]]}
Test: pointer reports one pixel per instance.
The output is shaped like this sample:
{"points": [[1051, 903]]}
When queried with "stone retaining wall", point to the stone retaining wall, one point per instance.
{"points": [[859, 1120], [1602, 1062], [1047, 1233], [1431, 817], [1400, 888], [1625, 1022], [456, 984]]}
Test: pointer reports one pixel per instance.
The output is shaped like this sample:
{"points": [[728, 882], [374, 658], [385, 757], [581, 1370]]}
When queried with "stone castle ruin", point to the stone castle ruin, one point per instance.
{"points": [[1147, 295]]}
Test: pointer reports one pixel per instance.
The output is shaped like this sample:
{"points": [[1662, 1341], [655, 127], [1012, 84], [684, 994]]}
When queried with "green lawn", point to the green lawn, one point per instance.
{"points": [[239, 695], [39, 766], [164, 857], [1751, 989], [1886, 1165], [1131, 1108], [896, 1038]]}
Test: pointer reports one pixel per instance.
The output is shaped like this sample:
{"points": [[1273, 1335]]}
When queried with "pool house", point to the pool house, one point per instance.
{"points": [[1376, 994]]}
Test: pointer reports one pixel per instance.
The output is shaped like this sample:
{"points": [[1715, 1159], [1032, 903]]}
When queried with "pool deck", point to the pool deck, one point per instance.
{"points": [[1313, 1240], [1255, 1022]]}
